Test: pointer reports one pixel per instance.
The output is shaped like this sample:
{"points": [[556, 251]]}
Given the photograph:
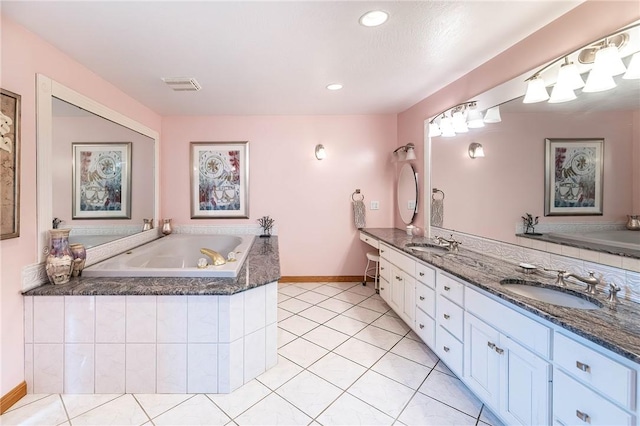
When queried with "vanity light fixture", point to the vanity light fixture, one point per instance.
{"points": [[405, 153], [604, 54], [321, 153], [459, 120], [474, 117], [476, 150], [493, 115], [434, 129], [373, 18], [334, 86]]}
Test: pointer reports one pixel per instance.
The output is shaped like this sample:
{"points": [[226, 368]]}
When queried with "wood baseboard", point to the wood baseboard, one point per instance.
{"points": [[321, 279], [13, 396]]}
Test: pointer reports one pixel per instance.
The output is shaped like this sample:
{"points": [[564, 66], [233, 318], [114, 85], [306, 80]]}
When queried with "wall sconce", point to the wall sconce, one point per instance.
{"points": [[476, 150], [605, 58], [408, 152], [321, 153]]}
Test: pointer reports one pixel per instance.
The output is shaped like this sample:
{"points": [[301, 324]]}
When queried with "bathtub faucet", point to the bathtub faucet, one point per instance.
{"points": [[216, 258]]}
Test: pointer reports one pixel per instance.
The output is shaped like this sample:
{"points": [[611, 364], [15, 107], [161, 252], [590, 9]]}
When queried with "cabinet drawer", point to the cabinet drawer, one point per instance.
{"points": [[517, 326], [426, 275], [574, 403], [451, 289], [369, 240], [426, 299], [385, 290], [385, 251], [450, 316], [385, 269], [589, 366], [425, 328], [449, 350], [402, 261]]}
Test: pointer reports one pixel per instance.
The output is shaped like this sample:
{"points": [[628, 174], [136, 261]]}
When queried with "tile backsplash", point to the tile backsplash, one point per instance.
{"points": [[623, 271]]}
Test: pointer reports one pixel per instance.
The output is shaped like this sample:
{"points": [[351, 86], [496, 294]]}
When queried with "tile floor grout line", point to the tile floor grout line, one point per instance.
{"points": [[64, 407], [13, 408], [397, 419], [97, 406], [158, 415]]}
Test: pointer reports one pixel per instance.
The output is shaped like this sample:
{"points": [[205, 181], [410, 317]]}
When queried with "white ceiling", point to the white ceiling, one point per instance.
{"points": [[277, 57]]}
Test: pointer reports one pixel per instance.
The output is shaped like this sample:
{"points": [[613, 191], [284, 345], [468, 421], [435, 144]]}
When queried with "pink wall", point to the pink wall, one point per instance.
{"points": [[636, 161], [309, 199], [488, 196], [69, 130], [23, 55], [558, 38]]}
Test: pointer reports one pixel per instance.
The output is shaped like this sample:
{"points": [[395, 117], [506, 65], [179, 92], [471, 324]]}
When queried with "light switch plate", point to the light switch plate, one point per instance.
{"points": [[375, 205], [411, 205]]}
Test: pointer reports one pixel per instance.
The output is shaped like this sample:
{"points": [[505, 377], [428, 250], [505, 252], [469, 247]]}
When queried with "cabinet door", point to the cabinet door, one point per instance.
{"points": [[525, 383], [481, 361], [397, 290], [409, 304], [385, 291]]}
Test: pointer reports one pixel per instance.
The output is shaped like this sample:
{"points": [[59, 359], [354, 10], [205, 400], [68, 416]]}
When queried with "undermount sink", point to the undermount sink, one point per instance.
{"points": [[427, 248], [559, 297]]}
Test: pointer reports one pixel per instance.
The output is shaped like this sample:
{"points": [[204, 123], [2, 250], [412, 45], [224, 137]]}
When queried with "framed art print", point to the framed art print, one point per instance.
{"points": [[219, 180]]}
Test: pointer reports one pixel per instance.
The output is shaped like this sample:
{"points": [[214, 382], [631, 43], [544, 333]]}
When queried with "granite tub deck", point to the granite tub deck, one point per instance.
{"points": [[154, 335], [617, 330]]}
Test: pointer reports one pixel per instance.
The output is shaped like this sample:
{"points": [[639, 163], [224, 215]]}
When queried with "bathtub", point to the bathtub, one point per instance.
{"points": [[619, 239], [176, 256]]}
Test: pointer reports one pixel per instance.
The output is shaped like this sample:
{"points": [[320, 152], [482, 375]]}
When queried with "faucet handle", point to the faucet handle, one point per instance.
{"points": [[613, 293]]}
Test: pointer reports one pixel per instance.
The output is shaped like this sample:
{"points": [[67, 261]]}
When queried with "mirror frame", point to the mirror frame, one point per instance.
{"points": [[47, 89], [415, 183]]}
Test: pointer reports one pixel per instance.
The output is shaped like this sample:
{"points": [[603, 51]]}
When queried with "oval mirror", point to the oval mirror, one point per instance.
{"points": [[407, 194]]}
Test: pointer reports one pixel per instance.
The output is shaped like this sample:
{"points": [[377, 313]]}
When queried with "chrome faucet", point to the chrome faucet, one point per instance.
{"points": [[591, 281], [613, 293], [450, 244]]}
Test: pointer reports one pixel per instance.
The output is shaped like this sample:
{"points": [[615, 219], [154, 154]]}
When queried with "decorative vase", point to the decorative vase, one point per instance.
{"points": [[59, 262], [166, 227], [79, 254]]}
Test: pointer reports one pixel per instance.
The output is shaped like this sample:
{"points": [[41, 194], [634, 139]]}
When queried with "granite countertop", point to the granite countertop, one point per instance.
{"points": [[617, 330], [262, 266], [603, 248]]}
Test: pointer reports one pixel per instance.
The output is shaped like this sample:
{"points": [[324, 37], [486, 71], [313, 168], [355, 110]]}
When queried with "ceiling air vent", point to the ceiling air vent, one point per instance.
{"points": [[182, 84]]}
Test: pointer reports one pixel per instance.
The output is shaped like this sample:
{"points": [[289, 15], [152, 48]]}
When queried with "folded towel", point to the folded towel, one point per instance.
{"points": [[437, 212], [359, 211]]}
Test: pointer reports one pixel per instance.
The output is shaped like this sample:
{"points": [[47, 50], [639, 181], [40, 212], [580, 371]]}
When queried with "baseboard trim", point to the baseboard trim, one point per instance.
{"points": [[13, 396], [321, 279]]}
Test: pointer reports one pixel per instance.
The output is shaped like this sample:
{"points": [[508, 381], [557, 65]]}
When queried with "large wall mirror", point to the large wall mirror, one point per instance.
{"points": [[488, 196], [66, 118]]}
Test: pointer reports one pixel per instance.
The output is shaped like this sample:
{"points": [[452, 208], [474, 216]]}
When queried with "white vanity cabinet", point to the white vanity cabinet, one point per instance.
{"points": [[399, 287], [449, 322], [425, 299]]}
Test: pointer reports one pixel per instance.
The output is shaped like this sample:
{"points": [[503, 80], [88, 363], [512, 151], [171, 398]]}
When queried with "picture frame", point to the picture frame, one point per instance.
{"points": [[10, 127], [219, 180], [101, 180], [574, 175]]}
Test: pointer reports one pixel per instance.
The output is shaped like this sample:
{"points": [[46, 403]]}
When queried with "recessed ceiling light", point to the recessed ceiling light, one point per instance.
{"points": [[334, 86], [374, 18]]}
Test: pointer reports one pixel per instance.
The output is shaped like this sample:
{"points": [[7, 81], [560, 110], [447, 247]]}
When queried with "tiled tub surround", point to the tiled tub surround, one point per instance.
{"points": [[154, 335], [617, 330]]}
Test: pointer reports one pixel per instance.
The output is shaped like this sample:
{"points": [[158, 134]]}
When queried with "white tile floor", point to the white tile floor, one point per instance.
{"points": [[344, 359]]}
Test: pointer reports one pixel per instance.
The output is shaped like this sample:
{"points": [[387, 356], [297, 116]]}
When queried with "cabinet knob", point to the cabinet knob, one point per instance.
{"points": [[583, 367], [446, 349], [381, 288], [421, 274], [421, 297], [381, 251], [382, 268], [398, 278], [421, 325], [446, 316], [583, 416], [491, 345], [446, 288], [499, 350]]}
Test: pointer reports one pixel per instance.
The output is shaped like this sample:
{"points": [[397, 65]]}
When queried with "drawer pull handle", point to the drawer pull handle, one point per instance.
{"points": [[421, 274], [583, 367], [421, 325], [398, 278], [446, 349], [381, 251], [421, 297], [499, 350], [491, 345], [446, 288], [583, 416], [382, 268], [381, 288], [446, 316]]}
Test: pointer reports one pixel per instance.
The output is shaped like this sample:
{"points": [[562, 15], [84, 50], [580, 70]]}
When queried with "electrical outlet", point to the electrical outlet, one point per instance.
{"points": [[411, 205], [375, 205]]}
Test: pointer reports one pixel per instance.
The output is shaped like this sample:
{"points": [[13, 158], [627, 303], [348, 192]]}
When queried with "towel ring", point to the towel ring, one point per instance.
{"points": [[435, 191], [357, 192]]}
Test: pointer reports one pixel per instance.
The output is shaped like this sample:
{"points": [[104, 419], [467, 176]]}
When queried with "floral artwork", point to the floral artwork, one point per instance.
{"points": [[9, 165], [102, 180], [573, 178], [219, 181]]}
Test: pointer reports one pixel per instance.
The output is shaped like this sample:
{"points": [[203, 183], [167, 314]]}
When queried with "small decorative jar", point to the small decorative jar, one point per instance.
{"points": [[79, 254], [166, 227], [59, 261]]}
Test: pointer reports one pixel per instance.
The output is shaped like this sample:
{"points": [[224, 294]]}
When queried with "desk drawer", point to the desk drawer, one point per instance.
{"points": [[589, 366], [370, 240], [450, 316], [451, 289], [449, 350], [426, 299], [385, 269], [426, 275]]}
